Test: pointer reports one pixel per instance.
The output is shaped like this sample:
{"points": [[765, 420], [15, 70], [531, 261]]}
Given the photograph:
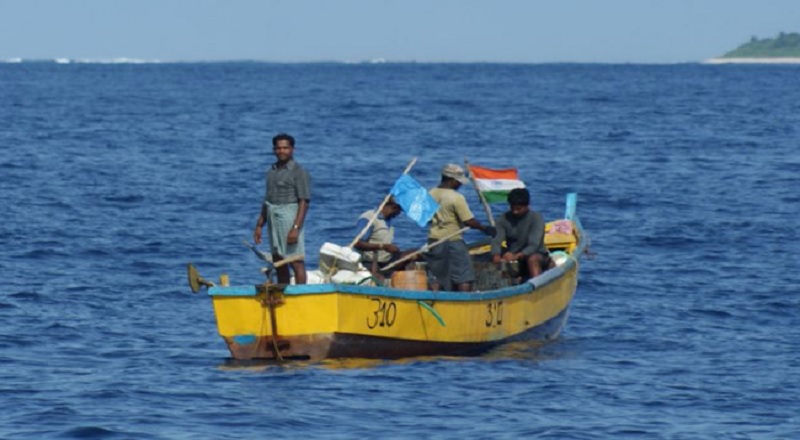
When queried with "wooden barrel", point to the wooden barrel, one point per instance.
{"points": [[410, 280]]}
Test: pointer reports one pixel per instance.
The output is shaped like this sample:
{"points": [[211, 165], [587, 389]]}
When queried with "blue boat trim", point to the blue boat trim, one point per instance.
{"points": [[572, 204], [232, 291], [244, 339], [416, 295]]}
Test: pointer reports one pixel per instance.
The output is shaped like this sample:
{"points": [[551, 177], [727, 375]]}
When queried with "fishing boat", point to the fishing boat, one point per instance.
{"points": [[338, 320]]}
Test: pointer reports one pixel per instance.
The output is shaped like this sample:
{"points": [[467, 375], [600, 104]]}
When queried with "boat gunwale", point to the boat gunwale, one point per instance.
{"points": [[528, 286]]}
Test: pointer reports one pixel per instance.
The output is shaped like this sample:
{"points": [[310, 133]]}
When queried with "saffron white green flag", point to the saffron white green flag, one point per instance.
{"points": [[495, 185]]}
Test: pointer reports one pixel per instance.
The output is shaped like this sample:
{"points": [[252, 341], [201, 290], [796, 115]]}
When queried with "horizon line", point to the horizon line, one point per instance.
{"points": [[129, 60]]}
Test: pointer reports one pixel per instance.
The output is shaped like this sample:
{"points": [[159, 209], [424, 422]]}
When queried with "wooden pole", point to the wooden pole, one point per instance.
{"points": [[380, 207], [425, 248], [287, 260], [485, 204], [374, 217]]}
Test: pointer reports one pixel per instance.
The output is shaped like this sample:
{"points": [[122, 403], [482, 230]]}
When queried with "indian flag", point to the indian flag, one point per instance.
{"points": [[495, 185]]}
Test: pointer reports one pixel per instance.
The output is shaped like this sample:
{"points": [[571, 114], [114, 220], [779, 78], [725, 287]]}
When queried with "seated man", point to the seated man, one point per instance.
{"points": [[376, 245], [523, 231]]}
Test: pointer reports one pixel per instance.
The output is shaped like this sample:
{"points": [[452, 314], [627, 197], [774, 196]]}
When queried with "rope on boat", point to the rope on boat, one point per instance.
{"points": [[271, 302], [371, 277], [433, 312]]}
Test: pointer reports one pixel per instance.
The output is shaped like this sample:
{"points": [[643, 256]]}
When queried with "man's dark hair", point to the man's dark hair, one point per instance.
{"points": [[519, 196], [282, 137], [393, 202]]}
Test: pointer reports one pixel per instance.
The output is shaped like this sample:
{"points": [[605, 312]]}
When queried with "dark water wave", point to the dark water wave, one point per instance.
{"points": [[686, 322]]}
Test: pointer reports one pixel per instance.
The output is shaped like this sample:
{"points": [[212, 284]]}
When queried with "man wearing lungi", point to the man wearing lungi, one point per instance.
{"points": [[284, 209]]}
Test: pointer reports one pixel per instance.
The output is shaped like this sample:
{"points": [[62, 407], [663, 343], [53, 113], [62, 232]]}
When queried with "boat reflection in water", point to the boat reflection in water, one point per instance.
{"points": [[529, 351]]}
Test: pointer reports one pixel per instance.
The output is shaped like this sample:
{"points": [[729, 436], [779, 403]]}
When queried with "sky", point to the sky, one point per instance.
{"points": [[517, 31]]}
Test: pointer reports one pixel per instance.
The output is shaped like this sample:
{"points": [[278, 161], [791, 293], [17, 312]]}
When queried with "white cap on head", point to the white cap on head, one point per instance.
{"points": [[454, 171]]}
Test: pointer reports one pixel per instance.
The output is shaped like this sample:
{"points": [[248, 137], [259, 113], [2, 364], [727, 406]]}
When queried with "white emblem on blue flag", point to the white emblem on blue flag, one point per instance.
{"points": [[417, 204]]}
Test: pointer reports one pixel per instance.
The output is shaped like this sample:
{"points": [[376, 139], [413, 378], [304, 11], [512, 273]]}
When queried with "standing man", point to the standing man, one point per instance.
{"points": [[523, 232], [284, 209], [449, 264]]}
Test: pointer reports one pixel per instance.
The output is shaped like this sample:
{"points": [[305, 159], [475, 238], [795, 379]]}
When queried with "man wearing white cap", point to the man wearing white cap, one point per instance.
{"points": [[449, 265]]}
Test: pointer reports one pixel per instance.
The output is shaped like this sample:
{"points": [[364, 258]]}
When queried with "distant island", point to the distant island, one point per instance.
{"points": [[783, 49]]}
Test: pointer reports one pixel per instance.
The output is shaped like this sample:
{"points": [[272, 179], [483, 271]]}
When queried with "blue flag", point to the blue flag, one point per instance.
{"points": [[417, 204]]}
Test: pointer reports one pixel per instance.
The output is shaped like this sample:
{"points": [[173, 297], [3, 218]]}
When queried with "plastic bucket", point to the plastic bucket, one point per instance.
{"points": [[410, 280]]}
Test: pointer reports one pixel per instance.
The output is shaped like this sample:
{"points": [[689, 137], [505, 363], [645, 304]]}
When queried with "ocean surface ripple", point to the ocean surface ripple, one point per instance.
{"points": [[686, 323]]}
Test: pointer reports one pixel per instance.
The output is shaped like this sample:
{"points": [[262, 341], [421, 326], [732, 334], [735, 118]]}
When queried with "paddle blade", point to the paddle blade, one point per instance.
{"points": [[195, 280]]}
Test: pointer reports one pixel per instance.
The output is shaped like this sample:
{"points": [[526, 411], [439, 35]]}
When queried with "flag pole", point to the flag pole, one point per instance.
{"points": [[380, 207], [485, 204], [372, 220]]}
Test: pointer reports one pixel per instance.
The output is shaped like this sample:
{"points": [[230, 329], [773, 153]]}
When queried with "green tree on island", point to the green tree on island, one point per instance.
{"points": [[784, 46]]}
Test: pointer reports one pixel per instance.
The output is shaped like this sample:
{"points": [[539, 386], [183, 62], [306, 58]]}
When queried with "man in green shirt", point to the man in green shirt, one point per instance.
{"points": [[449, 264], [288, 193]]}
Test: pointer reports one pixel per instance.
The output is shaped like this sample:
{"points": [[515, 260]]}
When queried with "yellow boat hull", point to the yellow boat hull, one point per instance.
{"points": [[350, 321], [331, 321]]}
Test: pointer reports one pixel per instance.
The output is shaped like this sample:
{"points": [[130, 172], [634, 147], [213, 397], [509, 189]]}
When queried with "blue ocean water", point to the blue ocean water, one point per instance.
{"points": [[686, 323]]}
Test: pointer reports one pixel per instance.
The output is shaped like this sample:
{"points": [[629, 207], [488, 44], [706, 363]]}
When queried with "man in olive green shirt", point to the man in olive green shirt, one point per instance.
{"points": [[449, 264]]}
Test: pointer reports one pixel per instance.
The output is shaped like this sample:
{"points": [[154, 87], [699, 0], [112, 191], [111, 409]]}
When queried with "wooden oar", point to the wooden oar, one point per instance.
{"points": [[267, 258], [288, 260], [425, 248], [263, 256], [485, 204]]}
